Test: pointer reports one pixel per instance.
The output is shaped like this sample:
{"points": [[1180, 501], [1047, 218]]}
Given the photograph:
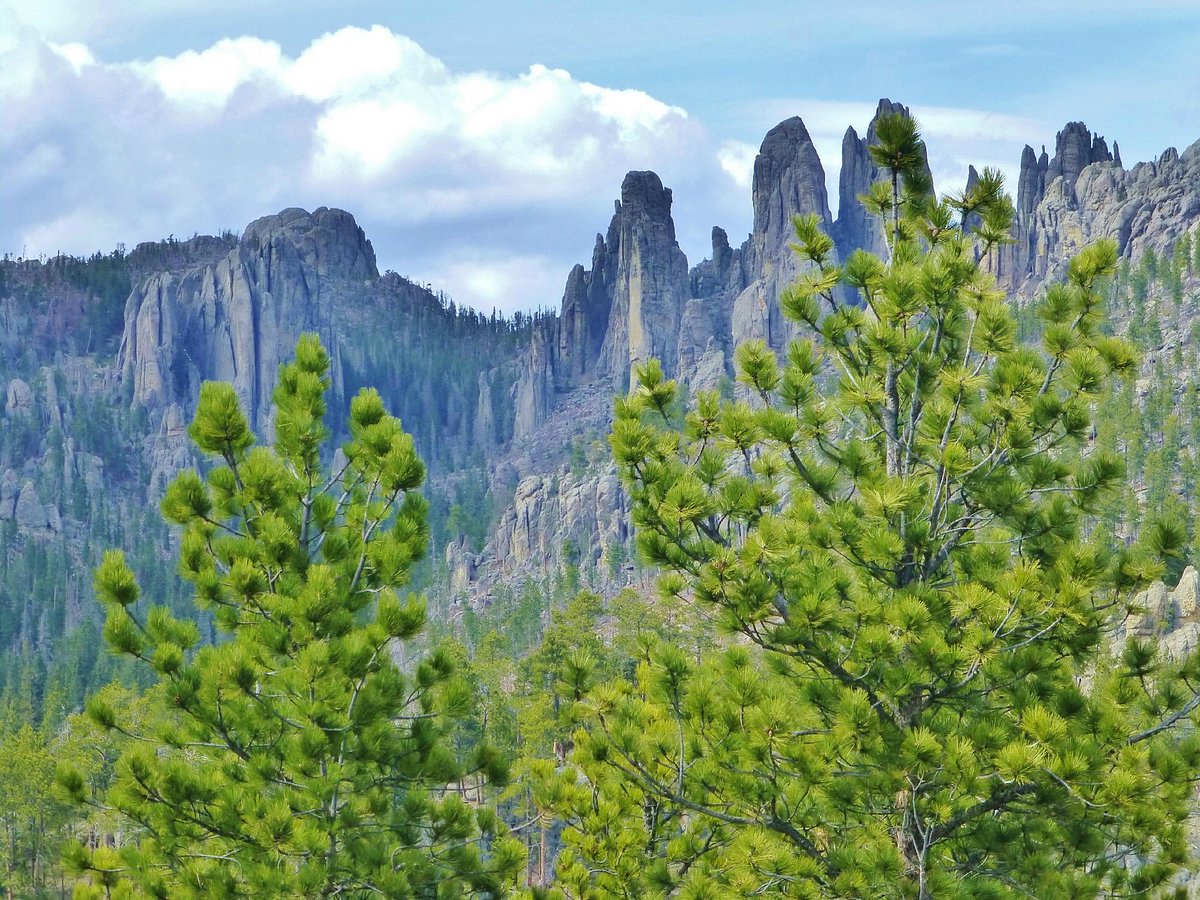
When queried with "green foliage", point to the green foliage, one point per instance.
{"points": [[31, 814], [917, 700], [293, 757]]}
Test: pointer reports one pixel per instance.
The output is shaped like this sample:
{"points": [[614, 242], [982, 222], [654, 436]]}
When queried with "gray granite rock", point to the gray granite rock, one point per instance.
{"points": [[10, 487], [855, 228], [650, 284], [18, 398], [29, 511], [237, 319]]}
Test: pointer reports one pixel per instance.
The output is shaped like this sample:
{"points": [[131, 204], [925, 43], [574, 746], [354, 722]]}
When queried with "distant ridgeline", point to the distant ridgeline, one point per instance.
{"points": [[101, 361]]}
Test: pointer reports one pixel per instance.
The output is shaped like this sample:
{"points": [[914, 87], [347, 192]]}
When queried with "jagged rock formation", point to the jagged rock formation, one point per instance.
{"points": [[1075, 148], [19, 502], [741, 287], [638, 300], [534, 391], [237, 319], [19, 398], [855, 228], [1170, 616], [581, 518], [231, 308], [788, 180], [1083, 193], [622, 311], [649, 280], [1064, 201]]}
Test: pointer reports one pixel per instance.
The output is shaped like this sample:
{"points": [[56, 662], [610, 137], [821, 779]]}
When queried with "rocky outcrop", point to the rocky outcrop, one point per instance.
{"points": [[650, 282], [855, 228], [534, 391], [10, 487], [79, 465], [460, 564], [788, 180], [487, 432], [169, 451], [237, 319], [18, 399], [1063, 203], [581, 519], [19, 503], [586, 307], [624, 310], [1075, 148], [1171, 616], [638, 300]]}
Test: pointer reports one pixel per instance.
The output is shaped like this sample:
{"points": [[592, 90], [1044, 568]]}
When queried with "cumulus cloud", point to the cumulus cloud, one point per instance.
{"points": [[78, 55], [428, 159], [210, 77]]}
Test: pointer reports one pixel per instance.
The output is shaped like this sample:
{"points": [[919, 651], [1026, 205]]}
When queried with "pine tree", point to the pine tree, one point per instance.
{"points": [[293, 758], [918, 699], [31, 817]]}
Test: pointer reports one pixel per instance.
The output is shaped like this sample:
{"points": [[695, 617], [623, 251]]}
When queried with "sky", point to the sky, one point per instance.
{"points": [[481, 145]]}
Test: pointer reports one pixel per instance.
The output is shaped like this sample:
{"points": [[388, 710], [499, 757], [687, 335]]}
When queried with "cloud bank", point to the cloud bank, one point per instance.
{"points": [[465, 177], [487, 185]]}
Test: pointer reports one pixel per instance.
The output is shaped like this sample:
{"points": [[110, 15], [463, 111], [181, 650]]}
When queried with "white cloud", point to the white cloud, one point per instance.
{"points": [[495, 280], [22, 64], [78, 55], [34, 165], [363, 139], [737, 159], [490, 185], [209, 78], [60, 234], [355, 61], [428, 159]]}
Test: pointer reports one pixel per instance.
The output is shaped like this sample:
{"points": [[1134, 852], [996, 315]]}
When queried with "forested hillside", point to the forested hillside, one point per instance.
{"points": [[83, 462]]}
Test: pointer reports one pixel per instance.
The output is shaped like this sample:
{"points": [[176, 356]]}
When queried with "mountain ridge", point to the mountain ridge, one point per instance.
{"points": [[506, 412]]}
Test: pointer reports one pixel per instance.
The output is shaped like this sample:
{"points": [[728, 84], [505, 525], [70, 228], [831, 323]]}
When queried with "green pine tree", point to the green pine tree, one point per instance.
{"points": [[917, 700], [293, 758]]}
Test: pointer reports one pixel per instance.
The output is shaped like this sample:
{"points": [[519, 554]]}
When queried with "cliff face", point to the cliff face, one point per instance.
{"points": [[621, 312], [649, 282], [855, 228], [638, 300], [788, 180], [237, 319], [633, 303], [1084, 193]]}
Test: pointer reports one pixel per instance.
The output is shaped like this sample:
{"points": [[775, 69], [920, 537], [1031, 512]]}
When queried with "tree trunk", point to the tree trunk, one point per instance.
{"points": [[891, 419], [542, 855]]}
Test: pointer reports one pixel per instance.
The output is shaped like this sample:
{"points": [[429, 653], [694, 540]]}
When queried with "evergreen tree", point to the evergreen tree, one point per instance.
{"points": [[293, 758], [31, 816], [919, 700]]}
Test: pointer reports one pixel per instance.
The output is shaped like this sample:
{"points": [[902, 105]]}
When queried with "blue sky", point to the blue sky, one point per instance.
{"points": [[481, 144]]}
